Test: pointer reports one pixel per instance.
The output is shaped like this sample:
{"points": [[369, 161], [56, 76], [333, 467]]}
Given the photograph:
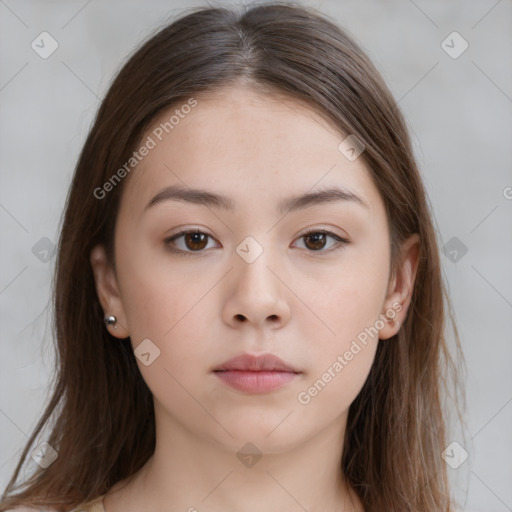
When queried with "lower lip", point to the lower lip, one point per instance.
{"points": [[255, 382]]}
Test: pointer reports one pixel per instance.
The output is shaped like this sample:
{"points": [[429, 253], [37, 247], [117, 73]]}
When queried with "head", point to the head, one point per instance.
{"points": [[257, 109], [202, 279]]}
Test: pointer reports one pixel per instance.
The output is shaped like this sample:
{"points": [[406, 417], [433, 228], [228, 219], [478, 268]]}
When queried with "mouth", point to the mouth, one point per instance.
{"points": [[256, 374]]}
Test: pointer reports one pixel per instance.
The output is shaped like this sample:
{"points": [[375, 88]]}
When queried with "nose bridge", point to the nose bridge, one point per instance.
{"points": [[255, 294], [255, 276]]}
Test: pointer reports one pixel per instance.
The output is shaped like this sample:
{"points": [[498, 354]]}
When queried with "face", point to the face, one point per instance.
{"points": [[201, 280]]}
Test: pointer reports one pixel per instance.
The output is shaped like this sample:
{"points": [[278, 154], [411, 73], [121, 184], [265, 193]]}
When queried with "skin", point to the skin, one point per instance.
{"points": [[201, 309]]}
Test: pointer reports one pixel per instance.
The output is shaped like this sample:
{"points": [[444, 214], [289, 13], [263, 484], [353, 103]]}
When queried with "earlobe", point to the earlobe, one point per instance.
{"points": [[108, 293], [401, 287]]}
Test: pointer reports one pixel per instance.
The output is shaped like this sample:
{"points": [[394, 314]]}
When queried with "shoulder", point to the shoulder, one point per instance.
{"points": [[28, 509], [25, 509], [91, 506]]}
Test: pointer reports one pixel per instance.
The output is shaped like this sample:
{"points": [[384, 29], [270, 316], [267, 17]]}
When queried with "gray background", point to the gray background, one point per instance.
{"points": [[459, 112]]}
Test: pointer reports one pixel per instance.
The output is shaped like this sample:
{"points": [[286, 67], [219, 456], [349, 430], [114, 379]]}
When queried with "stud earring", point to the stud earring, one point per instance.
{"points": [[110, 320]]}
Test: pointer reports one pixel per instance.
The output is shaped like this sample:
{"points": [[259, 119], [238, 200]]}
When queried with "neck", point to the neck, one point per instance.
{"points": [[194, 473]]}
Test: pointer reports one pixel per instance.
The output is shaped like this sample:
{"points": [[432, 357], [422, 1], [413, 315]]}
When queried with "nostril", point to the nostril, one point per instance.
{"points": [[240, 317]]}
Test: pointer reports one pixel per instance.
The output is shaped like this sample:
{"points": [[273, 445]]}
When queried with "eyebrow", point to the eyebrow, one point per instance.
{"points": [[291, 204]]}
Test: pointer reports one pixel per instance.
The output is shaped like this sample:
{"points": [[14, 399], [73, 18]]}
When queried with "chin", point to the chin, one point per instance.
{"points": [[270, 434]]}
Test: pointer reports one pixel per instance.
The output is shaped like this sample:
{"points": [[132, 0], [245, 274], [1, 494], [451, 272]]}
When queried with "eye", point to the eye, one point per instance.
{"points": [[316, 240], [188, 241]]}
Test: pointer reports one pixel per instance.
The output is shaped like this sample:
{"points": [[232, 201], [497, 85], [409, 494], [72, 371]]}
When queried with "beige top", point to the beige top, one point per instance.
{"points": [[95, 505]]}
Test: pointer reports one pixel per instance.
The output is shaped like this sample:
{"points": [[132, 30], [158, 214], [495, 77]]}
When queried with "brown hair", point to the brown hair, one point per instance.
{"points": [[102, 411]]}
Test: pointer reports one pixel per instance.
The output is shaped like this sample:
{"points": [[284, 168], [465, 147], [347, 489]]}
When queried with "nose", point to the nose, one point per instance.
{"points": [[256, 296]]}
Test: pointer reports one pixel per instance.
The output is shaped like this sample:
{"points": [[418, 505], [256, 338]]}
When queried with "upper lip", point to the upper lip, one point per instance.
{"points": [[248, 362]]}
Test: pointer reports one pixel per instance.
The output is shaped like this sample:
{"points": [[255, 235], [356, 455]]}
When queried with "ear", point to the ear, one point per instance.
{"points": [[401, 287], [108, 291]]}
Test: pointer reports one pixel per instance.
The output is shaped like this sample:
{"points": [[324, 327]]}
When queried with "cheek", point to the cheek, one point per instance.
{"points": [[350, 304], [173, 309], [350, 296], [158, 296], [341, 361], [339, 380], [166, 308]]}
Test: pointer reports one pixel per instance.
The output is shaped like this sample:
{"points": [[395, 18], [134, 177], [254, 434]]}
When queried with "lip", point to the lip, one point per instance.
{"points": [[256, 374]]}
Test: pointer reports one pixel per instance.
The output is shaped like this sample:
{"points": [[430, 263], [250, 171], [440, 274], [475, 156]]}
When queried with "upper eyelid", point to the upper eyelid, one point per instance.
{"points": [[306, 232], [313, 229]]}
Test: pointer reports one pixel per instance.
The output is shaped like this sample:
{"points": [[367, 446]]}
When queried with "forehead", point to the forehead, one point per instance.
{"points": [[242, 143]]}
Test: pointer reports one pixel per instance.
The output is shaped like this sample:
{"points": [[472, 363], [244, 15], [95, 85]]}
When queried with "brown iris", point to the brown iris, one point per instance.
{"points": [[196, 241], [317, 241]]}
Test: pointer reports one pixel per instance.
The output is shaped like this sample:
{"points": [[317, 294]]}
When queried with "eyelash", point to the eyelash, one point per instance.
{"points": [[340, 242]]}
